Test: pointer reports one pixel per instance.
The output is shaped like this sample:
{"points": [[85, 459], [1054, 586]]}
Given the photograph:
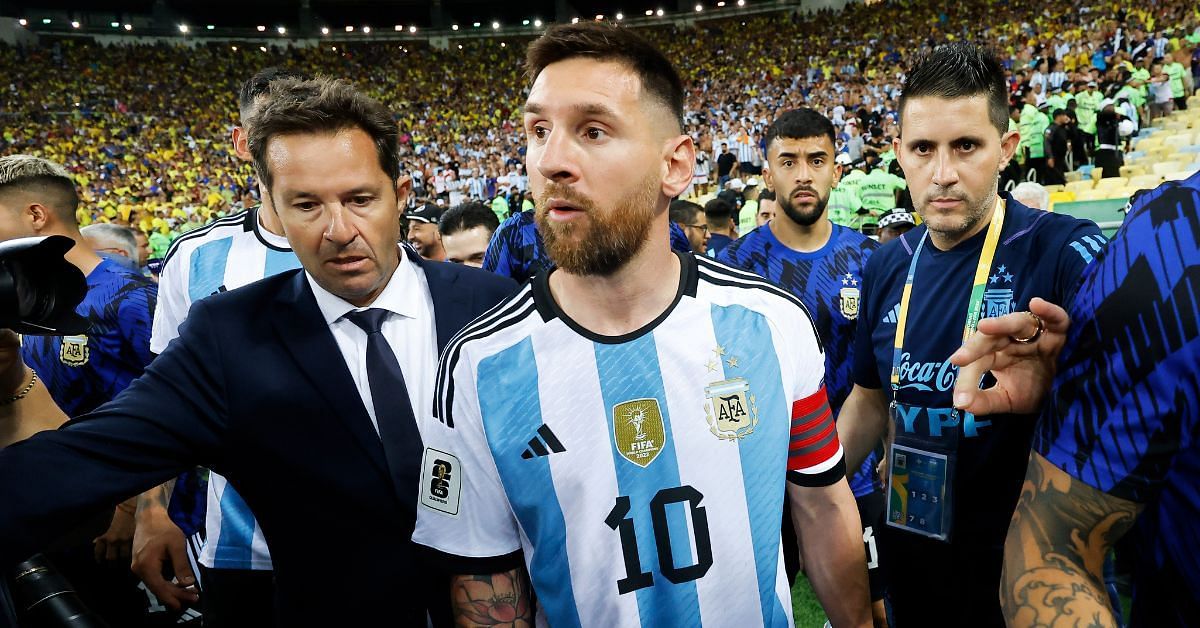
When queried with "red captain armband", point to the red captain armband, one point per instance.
{"points": [[814, 439]]}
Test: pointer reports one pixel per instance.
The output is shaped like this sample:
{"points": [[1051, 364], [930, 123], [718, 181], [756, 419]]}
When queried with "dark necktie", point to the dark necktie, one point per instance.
{"points": [[393, 409]]}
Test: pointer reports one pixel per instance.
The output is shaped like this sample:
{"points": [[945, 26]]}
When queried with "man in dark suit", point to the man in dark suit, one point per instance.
{"points": [[305, 389]]}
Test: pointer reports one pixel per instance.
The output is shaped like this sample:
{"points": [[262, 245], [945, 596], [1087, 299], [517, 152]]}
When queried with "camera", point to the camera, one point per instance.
{"points": [[39, 290], [47, 599]]}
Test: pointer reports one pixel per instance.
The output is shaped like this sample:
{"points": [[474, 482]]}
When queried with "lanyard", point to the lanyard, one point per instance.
{"points": [[974, 306]]}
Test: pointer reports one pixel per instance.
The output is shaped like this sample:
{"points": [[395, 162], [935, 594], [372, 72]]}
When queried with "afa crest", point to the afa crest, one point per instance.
{"points": [[731, 410], [74, 350], [849, 302], [638, 430]]}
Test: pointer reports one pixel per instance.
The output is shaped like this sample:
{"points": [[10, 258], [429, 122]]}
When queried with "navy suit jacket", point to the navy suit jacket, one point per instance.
{"points": [[255, 388]]}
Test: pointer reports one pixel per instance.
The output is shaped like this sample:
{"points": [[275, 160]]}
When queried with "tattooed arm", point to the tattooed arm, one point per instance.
{"points": [[159, 544], [1054, 555], [501, 599]]}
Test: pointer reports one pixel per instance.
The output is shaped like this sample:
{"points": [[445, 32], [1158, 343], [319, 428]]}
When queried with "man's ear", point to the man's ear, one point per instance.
{"points": [[38, 216], [678, 165], [241, 143]]}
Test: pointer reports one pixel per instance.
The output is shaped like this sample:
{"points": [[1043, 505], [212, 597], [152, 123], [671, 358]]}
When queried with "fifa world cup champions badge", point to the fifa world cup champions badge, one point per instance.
{"points": [[638, 430]]}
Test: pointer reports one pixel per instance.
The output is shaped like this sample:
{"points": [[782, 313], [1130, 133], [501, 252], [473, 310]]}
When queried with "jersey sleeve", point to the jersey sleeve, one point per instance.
{"points": [[502, 251], [172, 306], [1124, 402], [135, 315], [1080, 248], [463, 517], [866, 371], [814, 452]]}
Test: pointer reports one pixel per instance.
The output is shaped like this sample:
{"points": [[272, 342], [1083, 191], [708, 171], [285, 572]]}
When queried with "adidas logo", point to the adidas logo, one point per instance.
{"points": [[538, 446], [891, 317], [219, 290]]}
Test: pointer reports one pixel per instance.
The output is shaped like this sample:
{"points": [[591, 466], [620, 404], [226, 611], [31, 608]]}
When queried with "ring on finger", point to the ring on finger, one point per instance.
{"points": [[1041, 327]]}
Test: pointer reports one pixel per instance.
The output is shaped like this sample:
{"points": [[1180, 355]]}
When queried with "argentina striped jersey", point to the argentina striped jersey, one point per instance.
{"points": [[225, 254], [640, 478]]}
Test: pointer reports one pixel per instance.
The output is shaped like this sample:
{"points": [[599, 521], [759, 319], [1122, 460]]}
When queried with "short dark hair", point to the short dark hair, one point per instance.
{"points": [[959, 70], [798, 124], [607, 42], [718, 212], [467, 216], [45, 180], [684, 212], [766, 195], [257, 86], [322, 105]]}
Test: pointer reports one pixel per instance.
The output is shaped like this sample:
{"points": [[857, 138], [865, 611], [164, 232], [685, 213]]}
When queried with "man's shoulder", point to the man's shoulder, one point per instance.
{"points": [[848, 237], [894, 257], [471, 278], [219, 229], [737, 252], [516, 225], [1042, 227], [726, 284], [251, 297]]}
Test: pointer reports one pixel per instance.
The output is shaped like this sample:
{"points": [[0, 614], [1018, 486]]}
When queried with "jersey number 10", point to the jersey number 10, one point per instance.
{"points": [[619, 520]]}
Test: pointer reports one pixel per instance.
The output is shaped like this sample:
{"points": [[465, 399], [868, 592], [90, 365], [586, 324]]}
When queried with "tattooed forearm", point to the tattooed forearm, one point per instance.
{"points": [[501, 599], [157, 497], [1054, 555]]}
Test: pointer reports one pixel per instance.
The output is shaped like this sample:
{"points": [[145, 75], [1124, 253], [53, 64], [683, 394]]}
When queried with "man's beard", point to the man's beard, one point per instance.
{"points": [[804, 218], [947, 226], [607, 239]]}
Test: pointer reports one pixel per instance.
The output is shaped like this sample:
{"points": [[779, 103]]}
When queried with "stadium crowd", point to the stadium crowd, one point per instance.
{"points": [[144, 128]]}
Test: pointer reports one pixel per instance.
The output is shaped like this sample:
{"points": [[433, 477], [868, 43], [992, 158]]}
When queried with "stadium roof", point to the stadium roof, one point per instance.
{"points": [[336, 14]]}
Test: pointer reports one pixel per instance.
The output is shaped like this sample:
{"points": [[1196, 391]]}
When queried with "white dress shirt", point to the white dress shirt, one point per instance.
{"points": [[409, 330]]}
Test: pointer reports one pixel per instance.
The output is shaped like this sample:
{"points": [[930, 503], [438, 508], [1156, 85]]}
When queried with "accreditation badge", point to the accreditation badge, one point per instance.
{"points": [[921, 490]]}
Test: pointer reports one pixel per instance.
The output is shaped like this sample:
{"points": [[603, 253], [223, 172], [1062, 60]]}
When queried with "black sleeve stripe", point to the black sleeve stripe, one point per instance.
{"points": [[501, 309], [518, 311], [451, 564], [827, 477]]}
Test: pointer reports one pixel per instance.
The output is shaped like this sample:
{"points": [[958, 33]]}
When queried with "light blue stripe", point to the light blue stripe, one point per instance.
{"points": [[280, 261], [235, 544], [208, 268], [630, 371], [510, 420], [1083, 252], [764, 453]]}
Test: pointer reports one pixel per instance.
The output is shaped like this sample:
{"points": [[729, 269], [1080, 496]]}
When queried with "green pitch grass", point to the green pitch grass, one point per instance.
{"points": [[805, 607]]}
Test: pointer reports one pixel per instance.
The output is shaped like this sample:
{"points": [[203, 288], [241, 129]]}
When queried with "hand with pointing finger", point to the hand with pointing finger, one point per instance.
{"points": [[1020, 351]]}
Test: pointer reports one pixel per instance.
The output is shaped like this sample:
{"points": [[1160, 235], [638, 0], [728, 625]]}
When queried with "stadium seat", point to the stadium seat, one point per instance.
{"points": [[1165, 167], [1074, 175], [1160, 153], [1132, 171], [1082, 185], [1091, 195], [1112, 183], [1193, 149], [1149, 142], [1054, 188], [1061, 197], [1180, 175], [1145, 181], [1178, 141]]}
